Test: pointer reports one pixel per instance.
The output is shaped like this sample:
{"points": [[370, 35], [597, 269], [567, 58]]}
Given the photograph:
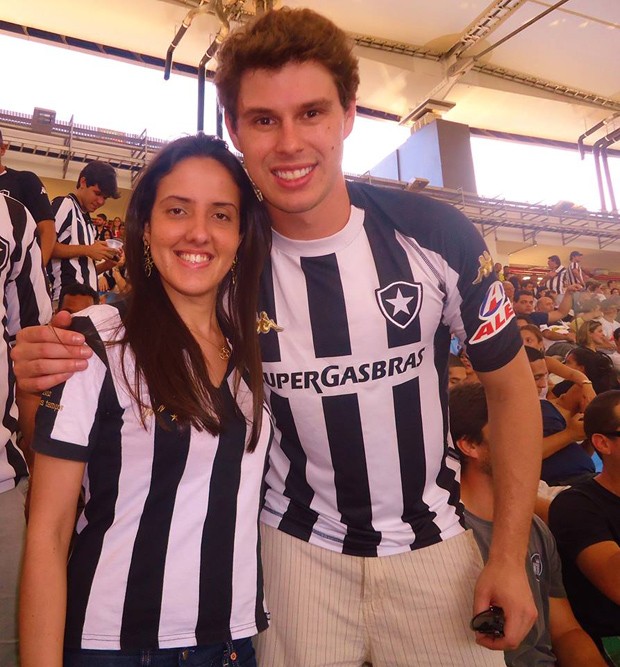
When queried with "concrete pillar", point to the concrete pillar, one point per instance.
{"points": [[439, 152]]}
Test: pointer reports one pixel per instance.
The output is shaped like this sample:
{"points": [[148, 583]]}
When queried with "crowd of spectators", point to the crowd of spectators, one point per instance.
{"points": [[570, 328]]}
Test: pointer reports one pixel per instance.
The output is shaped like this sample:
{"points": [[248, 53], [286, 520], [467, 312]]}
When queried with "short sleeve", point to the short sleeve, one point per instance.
{"points": [[577, 523], [67, 420], [35, 197]]}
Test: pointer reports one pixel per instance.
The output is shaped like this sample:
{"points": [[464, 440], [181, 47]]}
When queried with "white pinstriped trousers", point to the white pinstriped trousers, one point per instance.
{"points": [[333, 610]]}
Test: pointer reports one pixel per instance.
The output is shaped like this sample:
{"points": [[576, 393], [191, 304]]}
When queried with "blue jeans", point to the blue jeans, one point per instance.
{"points": [[236, 653]]}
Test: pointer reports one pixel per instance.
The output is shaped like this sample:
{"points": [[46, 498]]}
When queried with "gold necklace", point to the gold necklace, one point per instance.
{"points": [[222, 350]]}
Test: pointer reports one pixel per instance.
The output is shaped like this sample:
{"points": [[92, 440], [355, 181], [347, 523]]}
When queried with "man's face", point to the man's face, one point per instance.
{"points": [[525, 305], [90, 196], [291, 129], [577, 259], [540, 373], [509, 288], [553, 265], [544, 305], [73, 303]]}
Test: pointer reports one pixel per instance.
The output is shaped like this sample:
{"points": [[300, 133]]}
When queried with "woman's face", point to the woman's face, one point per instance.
{"points": [[597, 336], [194, 230]]}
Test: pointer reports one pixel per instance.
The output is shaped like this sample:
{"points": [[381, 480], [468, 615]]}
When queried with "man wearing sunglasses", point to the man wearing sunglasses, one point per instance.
{"points": [[586, 523], [556, 637]]}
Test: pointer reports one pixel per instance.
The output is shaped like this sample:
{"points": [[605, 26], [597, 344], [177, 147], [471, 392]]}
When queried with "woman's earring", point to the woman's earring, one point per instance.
{"points": [[148, 259], [233, 271]]}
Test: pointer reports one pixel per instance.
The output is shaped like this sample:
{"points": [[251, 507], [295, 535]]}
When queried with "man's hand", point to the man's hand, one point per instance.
{"points": [[101, 250], [506, 586], [45, 356]]}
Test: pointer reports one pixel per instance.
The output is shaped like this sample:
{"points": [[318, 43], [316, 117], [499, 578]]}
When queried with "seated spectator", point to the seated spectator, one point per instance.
{"points": [[593, 287], [76, 297], [524, 305], [609, 325], [532, 336], [617, 339], [509, 289], [556, 637], [469, 369], [457, 372], [565, 461], [597, 366], [591, 335], [104, 235], [585, 521], [581, 393]]}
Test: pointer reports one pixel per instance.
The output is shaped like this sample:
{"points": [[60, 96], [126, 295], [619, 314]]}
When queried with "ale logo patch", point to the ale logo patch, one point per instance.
{"points": [[495, 311]]}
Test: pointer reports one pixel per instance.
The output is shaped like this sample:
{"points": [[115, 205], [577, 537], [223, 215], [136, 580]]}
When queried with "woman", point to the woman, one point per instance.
{"points": [[597, 366], [591, 336], [166, 432], [118, 227]]}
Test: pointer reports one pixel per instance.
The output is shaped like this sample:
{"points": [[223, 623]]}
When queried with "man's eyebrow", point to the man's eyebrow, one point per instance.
{"points": [[323, 102]]}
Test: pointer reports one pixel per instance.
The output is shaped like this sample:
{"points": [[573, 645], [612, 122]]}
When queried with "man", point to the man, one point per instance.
{"points": [[556, 637], [26, 187], [557, 335], [575, 274], [25, 302], [509, 288], [524, 304], [355, 366], [585, 521], [77, 250], [76, 297], [564, 460], [557, 278]]}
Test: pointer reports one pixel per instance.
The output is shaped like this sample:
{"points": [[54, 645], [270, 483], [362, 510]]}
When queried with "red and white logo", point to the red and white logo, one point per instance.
{"points": [[495, 311]]}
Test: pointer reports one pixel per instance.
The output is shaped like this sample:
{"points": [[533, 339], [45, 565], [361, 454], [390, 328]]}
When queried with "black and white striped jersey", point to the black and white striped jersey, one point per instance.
{"points": [[167, 552], [25, 302], [73, 227], [560, 281], [357, 375], [575, 274]]}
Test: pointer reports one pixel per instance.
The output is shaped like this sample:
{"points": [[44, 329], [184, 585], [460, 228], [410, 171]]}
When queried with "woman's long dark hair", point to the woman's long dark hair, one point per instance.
{"points": [[598, 368], [167, 356]]}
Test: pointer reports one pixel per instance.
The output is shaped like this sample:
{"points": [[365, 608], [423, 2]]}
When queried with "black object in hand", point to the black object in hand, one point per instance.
{"points": [[489, 622]]}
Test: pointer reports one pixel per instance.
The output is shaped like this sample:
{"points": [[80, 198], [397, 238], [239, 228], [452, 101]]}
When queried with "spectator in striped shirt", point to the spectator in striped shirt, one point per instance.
{"points": [[575, 274], [25, 302], [78, 256], [557, 278], [169, 440]]}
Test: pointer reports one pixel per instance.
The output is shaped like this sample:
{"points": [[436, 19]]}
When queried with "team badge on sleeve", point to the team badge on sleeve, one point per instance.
{"points": [[495, 312], [486, 267], [400, 302]]}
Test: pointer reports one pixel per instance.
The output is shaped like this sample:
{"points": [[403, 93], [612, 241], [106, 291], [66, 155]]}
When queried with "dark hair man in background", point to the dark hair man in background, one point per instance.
{"points": [[556, 637], [77, 250]]}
